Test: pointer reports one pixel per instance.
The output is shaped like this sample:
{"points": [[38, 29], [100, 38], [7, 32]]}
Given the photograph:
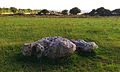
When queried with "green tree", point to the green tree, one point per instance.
{"points": [[65, 12], [103, 12], [116, 12], [44, 11], [100, 12], [75, 11], [13, 9], [93, 12], [29, 10]]}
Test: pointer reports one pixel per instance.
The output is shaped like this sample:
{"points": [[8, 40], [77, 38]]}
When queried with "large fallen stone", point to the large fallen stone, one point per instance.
{"points": [[84, 46], [56, 47], [52, 47]]}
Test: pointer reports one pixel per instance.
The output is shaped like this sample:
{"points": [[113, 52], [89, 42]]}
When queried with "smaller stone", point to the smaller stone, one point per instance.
{"points": [[82, 45]]}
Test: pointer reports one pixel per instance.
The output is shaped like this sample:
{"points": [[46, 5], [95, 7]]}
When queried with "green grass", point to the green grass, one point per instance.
{"points": [[15, 31]]}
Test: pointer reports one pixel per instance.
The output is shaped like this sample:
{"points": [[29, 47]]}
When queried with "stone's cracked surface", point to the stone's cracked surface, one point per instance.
{"points": [[52, 47], [56, 47], [85, 46]]}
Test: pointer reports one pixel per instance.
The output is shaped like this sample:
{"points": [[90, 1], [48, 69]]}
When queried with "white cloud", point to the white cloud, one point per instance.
{"points": [[60, 4]]}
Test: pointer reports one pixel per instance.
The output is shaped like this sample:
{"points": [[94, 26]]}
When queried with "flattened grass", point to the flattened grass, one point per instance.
{"points": [[14, 31]]}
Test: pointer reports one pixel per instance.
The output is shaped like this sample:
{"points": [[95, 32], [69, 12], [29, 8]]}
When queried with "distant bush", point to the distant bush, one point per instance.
{"points": [[65, 12], [19, 14], [100, 12], [13, 9], [43, 12], [116, 12], [75, 11]]}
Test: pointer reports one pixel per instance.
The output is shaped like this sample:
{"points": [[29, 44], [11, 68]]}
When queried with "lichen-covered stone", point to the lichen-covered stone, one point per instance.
{"points": [[52, 47], [82, 45], [56, 47]]}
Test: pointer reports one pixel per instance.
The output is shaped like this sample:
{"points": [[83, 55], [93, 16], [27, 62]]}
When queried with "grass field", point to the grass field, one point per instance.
{"points": [[15, 31]]}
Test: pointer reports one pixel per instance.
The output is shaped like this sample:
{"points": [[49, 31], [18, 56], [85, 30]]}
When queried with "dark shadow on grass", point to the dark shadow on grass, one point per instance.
{"points": [[15, 58], [43, 60], [87, 54], [90, 55], [41, 64], [46, 61]]}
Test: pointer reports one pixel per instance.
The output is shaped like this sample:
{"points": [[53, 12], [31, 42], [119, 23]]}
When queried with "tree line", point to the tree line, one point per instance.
{"points": [[104, 12], [95, 12], [73, 11], [13, 10]]}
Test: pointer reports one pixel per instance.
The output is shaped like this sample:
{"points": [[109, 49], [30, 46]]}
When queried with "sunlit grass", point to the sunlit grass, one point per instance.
{"points": [[15, 31]]}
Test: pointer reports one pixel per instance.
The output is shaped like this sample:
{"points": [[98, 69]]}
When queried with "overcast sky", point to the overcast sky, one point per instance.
{"points": [[61, 4]]}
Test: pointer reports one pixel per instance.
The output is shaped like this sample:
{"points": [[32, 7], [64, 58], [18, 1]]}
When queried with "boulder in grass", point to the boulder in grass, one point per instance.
{"points": [[51, 47], [57, 47]]}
